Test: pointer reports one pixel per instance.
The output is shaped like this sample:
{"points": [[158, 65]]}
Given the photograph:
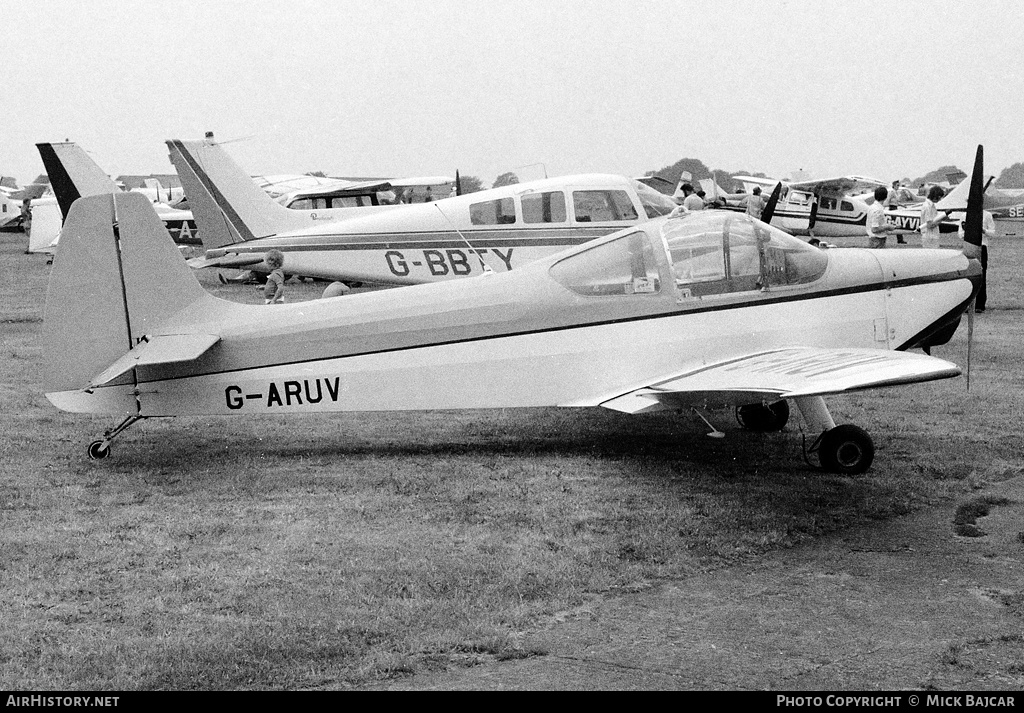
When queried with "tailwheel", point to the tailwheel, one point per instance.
{"points": [[763, 417], [846, 449], [98, 450]]}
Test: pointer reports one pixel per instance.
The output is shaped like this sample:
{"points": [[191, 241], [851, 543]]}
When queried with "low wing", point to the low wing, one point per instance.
{"points": [[233, 261], [782, 374]]}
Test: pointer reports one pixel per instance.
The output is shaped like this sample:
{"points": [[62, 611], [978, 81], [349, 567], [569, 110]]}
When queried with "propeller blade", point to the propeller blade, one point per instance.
{"points": [[769, 208], [975, 201], [814, 214], [458, 183]]}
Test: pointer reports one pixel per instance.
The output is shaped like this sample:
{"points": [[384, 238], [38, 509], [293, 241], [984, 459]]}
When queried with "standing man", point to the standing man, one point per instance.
{"points": [[930, 218], [877, 227], [893, 205], [754, 203]]}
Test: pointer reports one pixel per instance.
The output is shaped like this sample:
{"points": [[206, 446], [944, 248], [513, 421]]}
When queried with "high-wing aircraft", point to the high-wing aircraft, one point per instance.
{"points": [[831, 207], [707, 307], [74, 174], [489, 231]]}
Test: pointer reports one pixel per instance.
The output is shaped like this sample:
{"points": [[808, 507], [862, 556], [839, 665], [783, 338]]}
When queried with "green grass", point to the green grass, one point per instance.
{"points": [[261, 552]]}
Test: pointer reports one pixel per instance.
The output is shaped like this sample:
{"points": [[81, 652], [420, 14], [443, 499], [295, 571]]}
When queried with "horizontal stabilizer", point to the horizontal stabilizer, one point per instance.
{"points": [[160, 349]]}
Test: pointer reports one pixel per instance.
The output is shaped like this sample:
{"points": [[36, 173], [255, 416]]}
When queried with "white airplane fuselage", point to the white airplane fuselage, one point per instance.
{"points": [[523, 339], [458, 237]]}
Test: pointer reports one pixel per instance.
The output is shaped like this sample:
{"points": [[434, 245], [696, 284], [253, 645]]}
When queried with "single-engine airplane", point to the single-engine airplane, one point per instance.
{"points": [[707, 307], [831, 207], [488, 231]]}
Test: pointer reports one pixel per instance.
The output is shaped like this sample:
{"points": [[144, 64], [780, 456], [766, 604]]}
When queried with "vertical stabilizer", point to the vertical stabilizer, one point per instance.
{"points": [[109, 287], [227, 205], [85, 325], [73, 174]]}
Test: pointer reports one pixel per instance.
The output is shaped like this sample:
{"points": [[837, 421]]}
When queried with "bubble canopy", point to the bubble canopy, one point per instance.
{"points": [[698, 254]]}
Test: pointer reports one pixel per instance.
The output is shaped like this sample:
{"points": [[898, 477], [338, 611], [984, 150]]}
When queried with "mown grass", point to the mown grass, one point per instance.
{"points": [[237, 553]]}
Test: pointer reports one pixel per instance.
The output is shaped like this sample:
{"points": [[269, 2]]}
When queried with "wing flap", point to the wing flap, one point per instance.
{"points": [[786, 373], [159, 349]]}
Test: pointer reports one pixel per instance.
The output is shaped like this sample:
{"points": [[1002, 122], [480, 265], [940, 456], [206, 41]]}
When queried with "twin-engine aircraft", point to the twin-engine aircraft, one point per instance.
{"points": [[709, 307], [489, 231]]}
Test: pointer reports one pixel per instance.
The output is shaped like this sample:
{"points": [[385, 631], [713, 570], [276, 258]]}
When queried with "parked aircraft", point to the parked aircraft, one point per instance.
{"points": [[494, 230], [707, 307], [1003, 203], [14, 199], [10, 209], [74, 174], [319, 193]]}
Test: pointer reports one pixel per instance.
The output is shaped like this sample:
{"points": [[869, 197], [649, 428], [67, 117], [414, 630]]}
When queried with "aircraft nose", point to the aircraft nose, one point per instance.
{"points": [[921, 266]]}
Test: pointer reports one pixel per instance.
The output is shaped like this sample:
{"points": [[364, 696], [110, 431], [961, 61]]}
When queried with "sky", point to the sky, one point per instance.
{"points": [[424, 87]]}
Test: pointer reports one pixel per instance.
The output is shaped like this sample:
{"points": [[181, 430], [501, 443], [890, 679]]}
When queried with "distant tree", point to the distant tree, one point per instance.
{"points": [[505, 179], [317, 174], [1012, 177], [694, 166], [471, 184], [939, 175]]}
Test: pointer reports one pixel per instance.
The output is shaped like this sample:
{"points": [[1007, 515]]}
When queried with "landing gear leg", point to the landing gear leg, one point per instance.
{"points": [[100, 449], [846, 449]]}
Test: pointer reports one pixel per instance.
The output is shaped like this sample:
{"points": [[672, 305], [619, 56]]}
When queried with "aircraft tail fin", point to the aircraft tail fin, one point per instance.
{"points": [[116, 277], [227, 205], [73, 174]]}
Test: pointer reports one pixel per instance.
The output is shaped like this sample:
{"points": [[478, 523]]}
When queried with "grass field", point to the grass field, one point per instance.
{"points": [[257, 552]]}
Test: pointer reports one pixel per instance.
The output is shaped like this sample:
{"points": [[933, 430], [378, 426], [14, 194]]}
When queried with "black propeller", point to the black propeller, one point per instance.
{"points": [[973, 236], [769, 208], [975, 201], [458, 183]]}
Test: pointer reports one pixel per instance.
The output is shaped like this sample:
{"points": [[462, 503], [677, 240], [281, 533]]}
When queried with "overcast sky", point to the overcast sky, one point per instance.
{"points": [[422, 87]]}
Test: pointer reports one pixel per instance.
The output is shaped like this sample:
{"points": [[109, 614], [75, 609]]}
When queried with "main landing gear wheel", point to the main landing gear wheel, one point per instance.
{"points": [[846, 449], [763, 418], [98, 450]]}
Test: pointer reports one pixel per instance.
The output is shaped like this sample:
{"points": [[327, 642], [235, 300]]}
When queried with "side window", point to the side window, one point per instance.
{"points": [[847, 206], [544, 207], [625, 266], [602, 206], [827, 203], [301, 204], [497, 212]]}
